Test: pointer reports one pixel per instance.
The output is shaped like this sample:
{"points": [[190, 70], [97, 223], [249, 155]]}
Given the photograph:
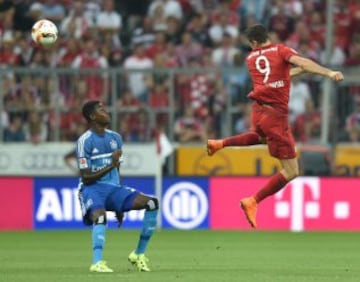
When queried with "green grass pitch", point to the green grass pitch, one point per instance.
{"points": [[201, 255]]}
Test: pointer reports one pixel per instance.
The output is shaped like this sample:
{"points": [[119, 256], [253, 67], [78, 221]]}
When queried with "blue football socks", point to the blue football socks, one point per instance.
{"points": [[98, 240], [149, 226]]}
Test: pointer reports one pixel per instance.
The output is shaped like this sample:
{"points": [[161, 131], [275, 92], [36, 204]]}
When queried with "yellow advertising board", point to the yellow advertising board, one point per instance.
{"points": [[229, 161], [254, 161], [347, 160]]}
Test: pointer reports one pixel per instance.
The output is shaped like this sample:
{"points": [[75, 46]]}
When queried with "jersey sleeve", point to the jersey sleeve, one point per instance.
{"points": [[286, 52], [83, 151]]}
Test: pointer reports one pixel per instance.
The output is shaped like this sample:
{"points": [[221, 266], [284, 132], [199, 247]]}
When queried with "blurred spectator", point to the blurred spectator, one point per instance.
{"points": [[224, 14], [136, 79], [135, 10], [187, 49], [72, 123], [317, 28], [280, 22], [171, 8], [342, 18], [243, 124], [353, 123], [97, 84], [8, 56], [144, 34], [25, 51], [109, 22], [159, 100], [188, 128], [23, 15], [129, 101], [194, 89], [174, 29], [307, 126], [299, 97], [355, 16], [139, 126], [239, 81], [337, 55], [223, 56], [158, 46], [198, 29], [159, 22], [75, 24], [354, 55], [35, 128], [53, 11], [255, 8], [14, 132], [23, 96], [223, 21]]}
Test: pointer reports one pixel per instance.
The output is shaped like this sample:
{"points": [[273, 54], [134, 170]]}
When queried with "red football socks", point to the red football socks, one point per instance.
{"points": [[275, 184], [245, 139]]}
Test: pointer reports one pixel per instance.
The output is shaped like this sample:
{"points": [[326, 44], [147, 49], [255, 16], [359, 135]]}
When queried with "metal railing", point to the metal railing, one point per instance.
{"points": [[56, 85]]}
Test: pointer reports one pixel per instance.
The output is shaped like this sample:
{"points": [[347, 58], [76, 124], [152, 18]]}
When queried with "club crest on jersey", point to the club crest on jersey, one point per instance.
{"points": [[83, 163], [113, 144]]}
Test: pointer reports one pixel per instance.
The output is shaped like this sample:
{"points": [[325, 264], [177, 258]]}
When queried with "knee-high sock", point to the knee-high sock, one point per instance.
{"points": [[275, 184], [149, 226], [244, 139], [98, 241]]}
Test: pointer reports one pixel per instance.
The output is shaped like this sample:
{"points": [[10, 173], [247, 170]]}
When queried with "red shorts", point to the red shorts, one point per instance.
{"points": [[273, 125]]}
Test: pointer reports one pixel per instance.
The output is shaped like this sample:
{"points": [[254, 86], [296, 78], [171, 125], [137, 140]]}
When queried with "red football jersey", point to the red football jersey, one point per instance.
{"points": [[269, 69]]}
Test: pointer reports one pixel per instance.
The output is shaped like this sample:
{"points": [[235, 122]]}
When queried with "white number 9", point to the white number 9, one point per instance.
{"points": [[265, 69]]}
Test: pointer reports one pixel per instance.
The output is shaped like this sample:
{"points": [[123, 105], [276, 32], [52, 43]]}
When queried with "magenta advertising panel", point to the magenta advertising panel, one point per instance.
{"points": [[307, 203], [16, 203]]}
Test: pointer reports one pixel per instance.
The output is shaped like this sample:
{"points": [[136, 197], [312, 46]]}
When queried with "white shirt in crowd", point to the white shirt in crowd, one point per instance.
{"points": [[136, 80], [299, 94]]}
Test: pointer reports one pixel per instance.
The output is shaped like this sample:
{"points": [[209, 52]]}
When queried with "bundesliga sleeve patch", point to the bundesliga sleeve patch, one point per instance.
{"points": [[83, 163]]}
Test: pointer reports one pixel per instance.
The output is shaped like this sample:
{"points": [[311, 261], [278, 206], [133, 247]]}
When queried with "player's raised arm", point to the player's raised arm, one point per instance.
{"points": [[310, 66], [296, 71]]}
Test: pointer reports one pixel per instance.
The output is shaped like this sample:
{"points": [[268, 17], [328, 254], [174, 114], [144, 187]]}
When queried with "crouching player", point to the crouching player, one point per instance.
{"points": [[98, 153]]}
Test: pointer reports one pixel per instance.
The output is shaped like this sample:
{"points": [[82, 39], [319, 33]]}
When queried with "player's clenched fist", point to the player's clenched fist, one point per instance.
{"points": [[336, 75]]}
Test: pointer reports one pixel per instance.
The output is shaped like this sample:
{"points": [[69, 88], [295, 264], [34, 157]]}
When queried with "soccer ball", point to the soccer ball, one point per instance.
{"points": [[44, 33]]}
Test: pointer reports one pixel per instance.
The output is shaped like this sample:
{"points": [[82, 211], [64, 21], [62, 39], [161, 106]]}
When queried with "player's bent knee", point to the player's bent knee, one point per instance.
{"points": [[152, 204], [99, 218]]}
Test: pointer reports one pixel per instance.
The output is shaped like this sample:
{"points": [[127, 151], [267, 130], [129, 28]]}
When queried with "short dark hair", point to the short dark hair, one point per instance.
{"points": [[89, 108], [257, 33]]}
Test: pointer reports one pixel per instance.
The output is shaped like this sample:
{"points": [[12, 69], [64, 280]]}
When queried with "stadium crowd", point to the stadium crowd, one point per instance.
{"points": [[165, 34]]}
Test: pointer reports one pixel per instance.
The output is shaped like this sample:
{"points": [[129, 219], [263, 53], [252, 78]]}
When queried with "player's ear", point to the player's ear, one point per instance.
{"points": [[92, 116]]}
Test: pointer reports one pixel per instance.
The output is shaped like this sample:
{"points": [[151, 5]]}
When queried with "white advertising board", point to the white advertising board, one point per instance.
{"points": [[47, 159]]}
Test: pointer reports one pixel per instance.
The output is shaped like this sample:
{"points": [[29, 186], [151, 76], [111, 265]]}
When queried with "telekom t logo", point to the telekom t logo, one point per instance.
{"points": [[297, 208]]}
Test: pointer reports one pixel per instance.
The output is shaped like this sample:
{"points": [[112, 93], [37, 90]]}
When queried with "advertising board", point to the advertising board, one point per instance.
{"points": [[16, 203], [56, 204], [307, 203]]}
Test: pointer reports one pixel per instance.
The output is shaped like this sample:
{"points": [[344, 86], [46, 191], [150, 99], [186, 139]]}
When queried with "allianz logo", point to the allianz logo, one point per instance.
{"points": [[63, 205], [185, 205]]}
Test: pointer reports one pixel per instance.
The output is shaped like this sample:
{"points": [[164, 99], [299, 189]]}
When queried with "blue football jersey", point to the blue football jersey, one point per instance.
{"points": [[94, 151]]}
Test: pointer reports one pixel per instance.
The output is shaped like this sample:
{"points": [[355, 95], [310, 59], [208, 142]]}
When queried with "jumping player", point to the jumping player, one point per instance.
{"points": [[99, 152], [270, 70]]}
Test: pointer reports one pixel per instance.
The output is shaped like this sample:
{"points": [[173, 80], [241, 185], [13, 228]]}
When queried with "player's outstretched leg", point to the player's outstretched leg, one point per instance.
{"points": [[98, 241], [138, 257], [276, 183], [245, 139]]}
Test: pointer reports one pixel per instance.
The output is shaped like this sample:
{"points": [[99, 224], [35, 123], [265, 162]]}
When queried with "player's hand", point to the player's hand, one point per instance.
{"points": [[116, 157], [336, 75]]}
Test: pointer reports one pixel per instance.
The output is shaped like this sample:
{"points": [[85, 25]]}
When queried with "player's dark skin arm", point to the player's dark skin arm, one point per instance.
{"points": [[89, 177]]}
